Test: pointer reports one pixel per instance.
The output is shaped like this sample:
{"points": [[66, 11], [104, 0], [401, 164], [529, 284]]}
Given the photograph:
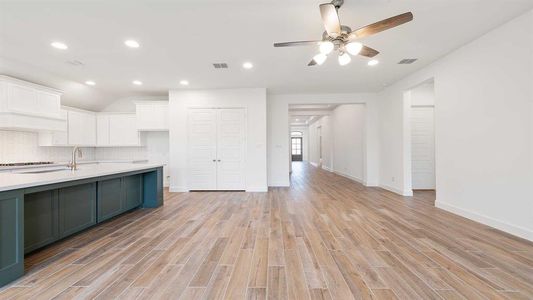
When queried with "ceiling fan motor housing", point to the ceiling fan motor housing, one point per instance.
{"points": [[337, 3]]}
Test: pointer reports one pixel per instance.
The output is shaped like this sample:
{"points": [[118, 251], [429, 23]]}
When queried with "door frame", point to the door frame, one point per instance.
{"points": [[299, 157]]}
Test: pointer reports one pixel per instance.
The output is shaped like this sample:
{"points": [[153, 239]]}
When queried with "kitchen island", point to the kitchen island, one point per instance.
{"points": [[43, 205]]}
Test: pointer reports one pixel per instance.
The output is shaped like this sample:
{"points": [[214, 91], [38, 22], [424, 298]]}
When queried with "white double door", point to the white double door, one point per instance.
{"points": [[216, 151]]}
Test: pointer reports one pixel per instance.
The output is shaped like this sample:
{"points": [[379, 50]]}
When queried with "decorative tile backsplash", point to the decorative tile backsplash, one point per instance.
{"points": [[18, 146]]}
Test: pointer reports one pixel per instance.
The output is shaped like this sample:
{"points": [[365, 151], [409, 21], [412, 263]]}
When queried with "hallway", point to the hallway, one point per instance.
{"points": [[326, 237]]}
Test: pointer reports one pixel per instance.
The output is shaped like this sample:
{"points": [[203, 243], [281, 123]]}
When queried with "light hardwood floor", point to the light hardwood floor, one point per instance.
{"points": [[326, 237]]}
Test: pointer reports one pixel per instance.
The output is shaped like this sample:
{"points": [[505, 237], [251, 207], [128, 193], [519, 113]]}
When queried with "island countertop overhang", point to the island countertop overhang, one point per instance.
{"points": [[14, 181]]}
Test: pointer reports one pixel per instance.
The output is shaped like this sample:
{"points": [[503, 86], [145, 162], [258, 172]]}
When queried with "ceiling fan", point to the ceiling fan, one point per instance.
{"points": [[343, 38]]}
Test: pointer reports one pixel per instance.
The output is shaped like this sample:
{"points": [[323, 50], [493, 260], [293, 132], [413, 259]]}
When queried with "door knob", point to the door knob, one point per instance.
{"points": [[218, 160], [214, 160]]}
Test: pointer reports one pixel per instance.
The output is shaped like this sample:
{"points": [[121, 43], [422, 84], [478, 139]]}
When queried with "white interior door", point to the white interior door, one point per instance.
{"points": [[202, 153], [423, 148], [230, 149]]}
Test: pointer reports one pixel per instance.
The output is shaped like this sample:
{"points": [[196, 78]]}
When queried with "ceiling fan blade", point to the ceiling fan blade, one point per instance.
{"points": [[368, 52], [298, 43], [382, 25], [312, 63], [330, 18]]}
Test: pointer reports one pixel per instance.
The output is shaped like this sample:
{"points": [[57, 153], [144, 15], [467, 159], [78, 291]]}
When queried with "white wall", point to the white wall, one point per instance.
{"points": [[18, 146], [348, 141], [423, 95], [326, 130], [278, 131], [253, 100], [482, 125]]}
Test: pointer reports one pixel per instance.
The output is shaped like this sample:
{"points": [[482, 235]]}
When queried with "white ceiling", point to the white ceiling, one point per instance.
{"points": [[180, 40], [306, 114]]}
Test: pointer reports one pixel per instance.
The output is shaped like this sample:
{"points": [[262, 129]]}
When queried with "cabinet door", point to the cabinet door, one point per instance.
{"points": [[132, 191], [123, 130], [144, 116], [22, 99], [77, 208], [81, 128], [109, 198], [49, 103], [12, 234], [40, 219], [102, 130], [202, 152], [152, 117], [230, 149]]}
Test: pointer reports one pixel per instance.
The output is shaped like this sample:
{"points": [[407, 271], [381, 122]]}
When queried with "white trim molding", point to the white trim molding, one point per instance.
{"points": [[485, 220], [406, 193], [349, 177], [257, 189], [178, 189]]}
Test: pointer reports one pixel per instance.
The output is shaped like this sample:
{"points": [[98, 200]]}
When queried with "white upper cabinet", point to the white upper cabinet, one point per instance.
{"points": [[55, 138], [81, 128], [117, 130], [29, 107], [152, 115], [102, 130]]}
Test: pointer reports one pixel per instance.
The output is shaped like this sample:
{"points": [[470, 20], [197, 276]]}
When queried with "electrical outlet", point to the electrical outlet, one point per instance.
{"points": [[393, 178]]}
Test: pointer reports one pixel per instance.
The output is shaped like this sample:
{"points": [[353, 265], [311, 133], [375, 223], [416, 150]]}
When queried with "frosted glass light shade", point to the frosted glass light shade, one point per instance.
{"points": [[354, 48], [344, 59], [326, 47], [320, 58]]}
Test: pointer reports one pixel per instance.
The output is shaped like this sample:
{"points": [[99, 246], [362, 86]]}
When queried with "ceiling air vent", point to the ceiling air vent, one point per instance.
{"points": [[75, 63], [220, 65], [407, 61]]}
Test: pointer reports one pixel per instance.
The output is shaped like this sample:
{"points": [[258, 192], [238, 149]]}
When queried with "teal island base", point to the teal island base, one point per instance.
{"points": [[33, 217]]}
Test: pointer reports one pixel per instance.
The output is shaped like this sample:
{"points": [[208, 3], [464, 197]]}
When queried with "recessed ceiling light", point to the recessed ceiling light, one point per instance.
{"points": [[59, 45], [184, 82], [297, 119], [247, 65], [373, 62], [90, 82], [137, 82], [132, 44]]}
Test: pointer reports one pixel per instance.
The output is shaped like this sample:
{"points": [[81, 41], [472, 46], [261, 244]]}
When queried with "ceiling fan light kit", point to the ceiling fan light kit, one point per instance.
{"points": [[344, 59], [320, 58], [326, 47], [342, 38]]}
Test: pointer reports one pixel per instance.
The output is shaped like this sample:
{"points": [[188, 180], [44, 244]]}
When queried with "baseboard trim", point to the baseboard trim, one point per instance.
{"points": [[257, 189], [500, 225], [177, 189], [406, 193], [314, 164], [327, 169], [279, 184], [349, 177]]}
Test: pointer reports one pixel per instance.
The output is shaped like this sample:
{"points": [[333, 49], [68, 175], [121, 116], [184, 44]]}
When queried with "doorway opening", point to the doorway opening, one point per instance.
{"points": [[297, 146], [420, 118], [331, 137]]}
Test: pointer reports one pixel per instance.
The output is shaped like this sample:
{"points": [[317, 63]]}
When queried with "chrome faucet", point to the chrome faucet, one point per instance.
{"points": [[73, 163]]}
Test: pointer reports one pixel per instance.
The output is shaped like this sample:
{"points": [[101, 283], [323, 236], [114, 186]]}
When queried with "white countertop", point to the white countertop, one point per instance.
{"points": [[13, 181], [64, 163]]}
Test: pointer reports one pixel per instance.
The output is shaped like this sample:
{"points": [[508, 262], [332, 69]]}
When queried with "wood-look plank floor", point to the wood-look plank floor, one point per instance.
{"points": [[326, 237]]}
